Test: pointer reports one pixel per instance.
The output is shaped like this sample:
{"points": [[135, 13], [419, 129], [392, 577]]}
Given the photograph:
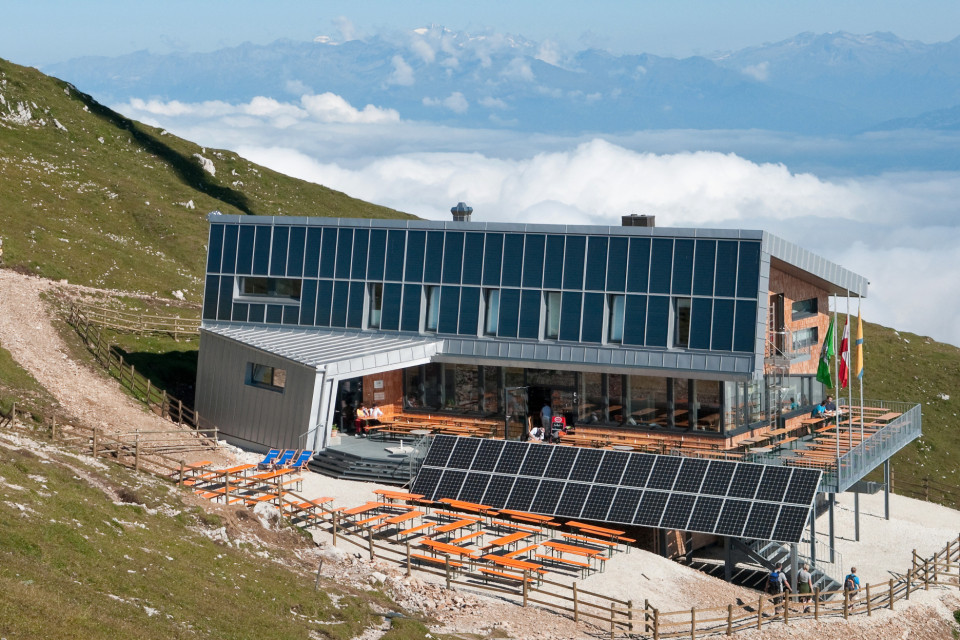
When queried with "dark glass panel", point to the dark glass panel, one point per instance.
{"points": [[593, 317], [390, 316], [311, 263], [278, 253], [748, 274], [257, 312], [512, 259], [726, 278], [682, 266], [341, 296], [291, 314], [722, 334], [570, 315], [529, 314], [469, 311], [473, 258], [215, 250], [308, 302], [661, 265], [449, 309], [295, 252], [658, 321], [245, 250], [617, 264], [573, 259], [274, 314], [596, 264], [261, 251], [703, 267], [225, 304], [492, 256], [361, 238], [453, 258], [635, 320], [240, 311], [416, 241], [533, 261], [701, 314], [433, 263], [553, 264], [410, 318], [229, 262], [344, 248], [328, 255], [745, 326], [378, 251], [638, 268], [210, 293], [509, 313], [355, 308], [324, 302], [396, 242]]}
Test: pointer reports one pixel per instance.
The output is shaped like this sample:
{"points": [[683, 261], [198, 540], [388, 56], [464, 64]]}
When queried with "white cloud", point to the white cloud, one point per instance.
{"points": [[402, 72], [346, 27], [297, 88], [493, 103], [455, 102], [423, 50], [549, 52], [759, 72], [329, 107], [518, 69]]}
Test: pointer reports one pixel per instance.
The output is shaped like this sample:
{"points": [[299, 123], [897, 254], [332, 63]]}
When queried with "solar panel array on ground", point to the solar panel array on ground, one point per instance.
{"points": [[737, 499]]}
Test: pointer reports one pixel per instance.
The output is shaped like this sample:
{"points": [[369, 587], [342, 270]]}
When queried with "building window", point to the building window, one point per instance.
{"points": [[260, 375], [273, 288], [804, 338], [552, 329], [681, 325], [376, 305], [615, 327], [492, 318], [433, 308], [804, 309]]}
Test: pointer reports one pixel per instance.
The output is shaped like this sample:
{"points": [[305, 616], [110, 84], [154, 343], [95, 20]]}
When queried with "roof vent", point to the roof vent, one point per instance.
{"points": [[635, 220], [461, 212]]}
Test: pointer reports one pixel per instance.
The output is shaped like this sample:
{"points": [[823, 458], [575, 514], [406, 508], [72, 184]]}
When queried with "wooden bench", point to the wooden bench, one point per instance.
{"points": [[503, 574], [375, 518], [583, 566], [469, 536], [421, 527], [520, 552], [605, 543], [437, 560]]}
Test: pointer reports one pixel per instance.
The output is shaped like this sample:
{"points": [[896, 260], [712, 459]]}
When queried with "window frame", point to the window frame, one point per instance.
{"points": [[803, 312], [266, 377], [271, 289], [681, 321]]}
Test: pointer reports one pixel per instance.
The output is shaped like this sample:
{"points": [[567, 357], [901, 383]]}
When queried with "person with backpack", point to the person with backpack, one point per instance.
{"points": [[851, 584], [777, 585]]}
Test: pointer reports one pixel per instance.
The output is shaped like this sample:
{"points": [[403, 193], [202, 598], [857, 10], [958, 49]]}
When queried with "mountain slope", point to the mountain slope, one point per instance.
{"points": [[91, 196]]}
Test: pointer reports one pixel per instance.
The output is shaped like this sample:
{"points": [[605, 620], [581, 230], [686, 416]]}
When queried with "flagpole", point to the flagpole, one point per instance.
{"points": [[846, 331], [860, 362], [836, 368]]}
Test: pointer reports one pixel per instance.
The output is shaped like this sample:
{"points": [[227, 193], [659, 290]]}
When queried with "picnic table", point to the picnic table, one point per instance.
{"points": [[511, 539], [535, 569], [559, 548], [396, 496]]}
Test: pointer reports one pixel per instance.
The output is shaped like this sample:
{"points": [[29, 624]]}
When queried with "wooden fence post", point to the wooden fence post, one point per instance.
{"points": [[96, 441], [370, 543], [926, 489], [53, 429], [576, 604], [890, 584], [786, 608], [180, 413], [729, 619], [869, 606], [446, 566], [693, 623], [164, 409], [816, 603], [612, 627], [846, 603], [182, 465], [149, 388], [335, 514], [409, 570], [926, 575], [760, 612], [656, 624], [909, 580], [136, 454], [630, 614]]}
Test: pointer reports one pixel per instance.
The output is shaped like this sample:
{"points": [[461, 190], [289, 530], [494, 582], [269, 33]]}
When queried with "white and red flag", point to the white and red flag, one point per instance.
{"points": [[843, 374]]}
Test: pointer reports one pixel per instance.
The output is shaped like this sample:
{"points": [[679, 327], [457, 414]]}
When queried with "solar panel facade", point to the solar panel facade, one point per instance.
{"points": [[669, 492]]}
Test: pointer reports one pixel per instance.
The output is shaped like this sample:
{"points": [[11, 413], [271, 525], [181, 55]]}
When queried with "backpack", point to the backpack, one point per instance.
{"points": [[849, 583], [773, 582]]}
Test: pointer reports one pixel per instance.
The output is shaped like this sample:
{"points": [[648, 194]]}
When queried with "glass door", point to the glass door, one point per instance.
{"points": [[516, 414]]}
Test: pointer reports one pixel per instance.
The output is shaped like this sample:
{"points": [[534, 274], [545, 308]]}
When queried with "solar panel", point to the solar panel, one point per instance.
{"points": [[571, 502], [598, 502], [449, 485], [664, 472], [536, 461], [522, 495], [612, 467], [463, 453], [560, 463], [733, 517], [487, 456], [585, 468], [512, 457], [690, 476], [474, 487], [650, 509], [672, 492]]}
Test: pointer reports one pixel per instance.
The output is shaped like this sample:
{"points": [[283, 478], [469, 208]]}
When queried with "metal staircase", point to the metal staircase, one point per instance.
{"points": [[827, 574]]}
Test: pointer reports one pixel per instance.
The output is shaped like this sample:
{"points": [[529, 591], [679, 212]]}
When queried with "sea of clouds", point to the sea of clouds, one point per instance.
{"points": [[898, 227]]}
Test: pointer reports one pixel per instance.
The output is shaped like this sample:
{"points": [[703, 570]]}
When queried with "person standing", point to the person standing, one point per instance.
{"points": [[776, 586], [851, 584], [805, 586], [545, 416]]}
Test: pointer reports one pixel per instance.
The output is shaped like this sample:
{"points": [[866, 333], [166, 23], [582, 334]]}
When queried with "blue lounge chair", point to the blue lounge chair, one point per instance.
{"points": [[269, 459], [284, 458], [302, 460]]}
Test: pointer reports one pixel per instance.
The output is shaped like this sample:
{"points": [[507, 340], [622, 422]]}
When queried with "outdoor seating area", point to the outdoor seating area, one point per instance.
{"points": [[246, 483], [405, 425]]}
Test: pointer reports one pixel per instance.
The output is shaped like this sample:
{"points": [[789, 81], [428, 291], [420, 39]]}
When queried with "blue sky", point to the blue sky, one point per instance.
{"points": [[41, 32]]}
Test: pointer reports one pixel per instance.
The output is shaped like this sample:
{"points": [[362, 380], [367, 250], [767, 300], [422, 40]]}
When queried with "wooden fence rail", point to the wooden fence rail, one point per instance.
{"points": [[142, 323]]}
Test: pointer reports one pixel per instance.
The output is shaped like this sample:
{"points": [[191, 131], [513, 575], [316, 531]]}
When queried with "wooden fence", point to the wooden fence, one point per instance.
{"points": [[142, 388], [137, 322], [927, 489]]}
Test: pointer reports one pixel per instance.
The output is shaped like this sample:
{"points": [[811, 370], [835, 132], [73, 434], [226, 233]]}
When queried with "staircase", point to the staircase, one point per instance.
{"points": [[348, 466], [826, 575]]}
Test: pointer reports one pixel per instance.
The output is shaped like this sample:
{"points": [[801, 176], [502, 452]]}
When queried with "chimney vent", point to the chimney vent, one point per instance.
{"points": [[461, 212], [635, 220]]}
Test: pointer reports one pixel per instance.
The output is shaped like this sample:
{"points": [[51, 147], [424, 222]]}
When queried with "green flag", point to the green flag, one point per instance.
{"points": [[826, 352]]}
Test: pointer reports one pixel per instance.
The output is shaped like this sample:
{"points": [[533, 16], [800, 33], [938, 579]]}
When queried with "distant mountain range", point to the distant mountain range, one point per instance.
{"points": [[809, 84]]}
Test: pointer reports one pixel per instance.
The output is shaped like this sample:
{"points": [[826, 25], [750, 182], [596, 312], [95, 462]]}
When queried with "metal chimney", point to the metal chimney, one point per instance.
{"points": [[635, 220], [461, 212]]}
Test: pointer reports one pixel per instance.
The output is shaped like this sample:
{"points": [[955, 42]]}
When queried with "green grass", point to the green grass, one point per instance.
{"points": [[18, 386], [76, 564], [102, 202]]}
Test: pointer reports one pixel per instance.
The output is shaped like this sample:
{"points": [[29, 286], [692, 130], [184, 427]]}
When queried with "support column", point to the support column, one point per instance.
{"points": [[833, 501], [886, 489], [794, 566], [662, 541], [856, 515], [671, 403], [813, 533], [727, 559]]}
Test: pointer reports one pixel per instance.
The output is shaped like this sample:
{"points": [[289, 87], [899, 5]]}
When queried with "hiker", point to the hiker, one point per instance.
{"points": [[851, 584], [777, 585], [804, 586]]}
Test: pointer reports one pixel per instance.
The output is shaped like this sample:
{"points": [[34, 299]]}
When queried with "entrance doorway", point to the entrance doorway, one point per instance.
{"points": [[515, 427], [349, 398]]}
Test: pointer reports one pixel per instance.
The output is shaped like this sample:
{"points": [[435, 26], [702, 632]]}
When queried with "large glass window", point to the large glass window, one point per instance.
{"points": [[492, 301], [461, 388], [276, 288], [804, 308], [260, 375], [432, 386], [615, 397], [491, 389], [412, 388], [646, 401], [681, 324], [433, 308], [552, 328], [616, 304], [708, 405], [805, 338], [593, 406], [376, 305]]}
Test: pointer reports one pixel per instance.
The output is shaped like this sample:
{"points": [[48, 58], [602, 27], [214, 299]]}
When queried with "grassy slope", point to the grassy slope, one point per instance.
{"points": [[100, 201]]}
